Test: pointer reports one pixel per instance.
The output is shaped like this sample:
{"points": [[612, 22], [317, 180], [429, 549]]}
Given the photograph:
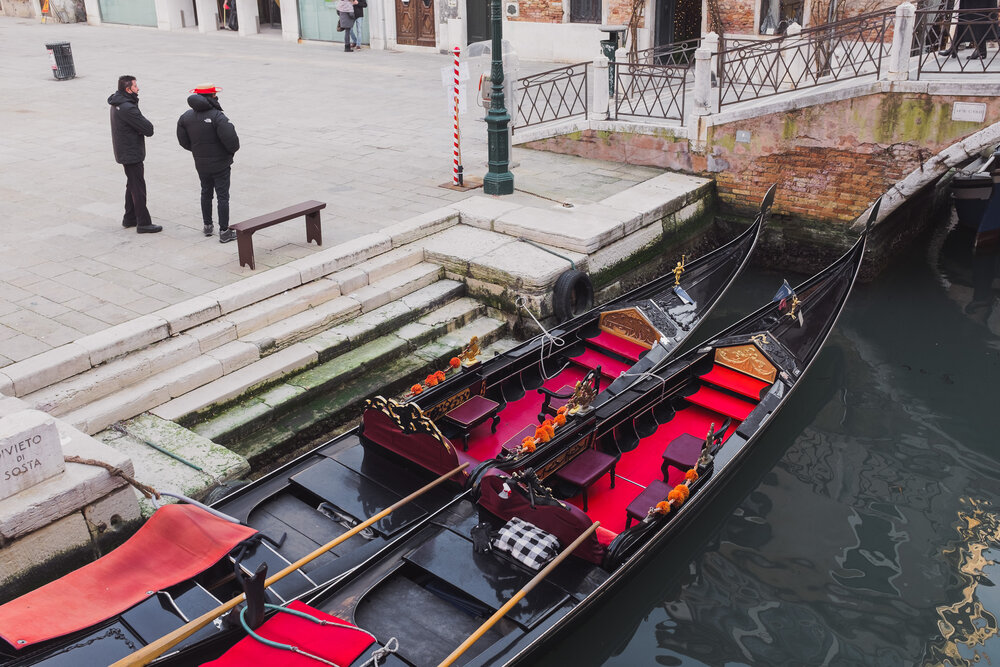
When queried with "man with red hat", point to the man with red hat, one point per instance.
{"points": [[210, 136]]}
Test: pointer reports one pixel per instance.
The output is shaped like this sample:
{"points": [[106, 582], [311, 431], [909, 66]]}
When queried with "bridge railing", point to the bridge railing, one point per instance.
{"points": [[556, 94], [953, 41], [650, 91], [847, 49], [678, 53]]}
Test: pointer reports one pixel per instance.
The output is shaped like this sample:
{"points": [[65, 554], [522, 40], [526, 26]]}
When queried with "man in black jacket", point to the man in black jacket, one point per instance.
{"points": [[129, 129], [207, 133]]}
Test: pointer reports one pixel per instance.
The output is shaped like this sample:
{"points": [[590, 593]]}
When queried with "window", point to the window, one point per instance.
{"points": [[777, 15], [585, 11]]}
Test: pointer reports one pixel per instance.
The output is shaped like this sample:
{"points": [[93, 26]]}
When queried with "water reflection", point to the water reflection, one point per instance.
{"points": [[863, 530]]}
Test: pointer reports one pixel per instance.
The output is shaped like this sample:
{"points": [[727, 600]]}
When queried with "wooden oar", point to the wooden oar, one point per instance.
{"points": [[492, 620], [153, 650]]}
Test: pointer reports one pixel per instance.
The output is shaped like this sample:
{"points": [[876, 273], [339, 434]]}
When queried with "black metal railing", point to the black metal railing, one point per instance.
{"points": [[650, 91], [556, 94], [830, 52], [678, 53], [954, 41]]}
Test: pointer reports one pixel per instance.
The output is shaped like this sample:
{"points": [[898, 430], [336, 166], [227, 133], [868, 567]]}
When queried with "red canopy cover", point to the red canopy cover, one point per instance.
{"points": [[175, 544], [339, 645]]}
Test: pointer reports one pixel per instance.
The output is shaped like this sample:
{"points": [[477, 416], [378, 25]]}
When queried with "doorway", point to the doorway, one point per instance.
{"points": [[415, 22], [677, 21]]}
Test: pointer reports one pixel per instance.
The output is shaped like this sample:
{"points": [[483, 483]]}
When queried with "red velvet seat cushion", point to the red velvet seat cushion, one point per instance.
{"points": [[334, 643], [588, 466], [473, 409], [652, 494]]}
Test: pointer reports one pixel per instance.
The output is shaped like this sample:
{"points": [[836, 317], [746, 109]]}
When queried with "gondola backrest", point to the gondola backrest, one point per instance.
{"points": [[403, 429], [561, 519]]}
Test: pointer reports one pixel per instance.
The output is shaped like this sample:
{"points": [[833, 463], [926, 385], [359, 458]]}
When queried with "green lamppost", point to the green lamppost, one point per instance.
{"points": [[499, 180]]}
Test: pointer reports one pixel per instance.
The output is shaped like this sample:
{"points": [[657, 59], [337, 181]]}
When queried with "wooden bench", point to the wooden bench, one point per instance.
{"points": [[244, 230]]}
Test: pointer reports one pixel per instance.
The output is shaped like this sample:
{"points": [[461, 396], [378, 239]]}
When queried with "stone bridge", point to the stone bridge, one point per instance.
{"points": [[894, 125]]}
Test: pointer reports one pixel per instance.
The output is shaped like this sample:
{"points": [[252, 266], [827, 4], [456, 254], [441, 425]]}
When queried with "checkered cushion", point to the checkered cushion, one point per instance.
{"points": [[527, 543]]}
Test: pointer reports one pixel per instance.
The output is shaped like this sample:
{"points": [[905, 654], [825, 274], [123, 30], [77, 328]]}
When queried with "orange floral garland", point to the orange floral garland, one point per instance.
{"points": [[436, 377], [543, 433], [677, 495]]}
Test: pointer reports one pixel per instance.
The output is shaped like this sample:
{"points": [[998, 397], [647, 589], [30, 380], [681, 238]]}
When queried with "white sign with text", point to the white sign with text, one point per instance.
{"points": [[974, 112], [30, 451]]}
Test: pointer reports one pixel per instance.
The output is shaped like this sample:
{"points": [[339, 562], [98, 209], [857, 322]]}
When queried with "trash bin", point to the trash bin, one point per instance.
{"points": [[61, 58]]}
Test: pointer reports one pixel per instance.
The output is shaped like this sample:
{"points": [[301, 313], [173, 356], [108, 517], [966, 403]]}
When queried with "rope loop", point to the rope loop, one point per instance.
{"points": [[384, 652], [554, 341]]}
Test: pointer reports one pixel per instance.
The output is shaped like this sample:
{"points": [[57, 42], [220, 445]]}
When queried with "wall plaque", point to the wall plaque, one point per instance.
{"points": [[973, 112], [30, 451]]}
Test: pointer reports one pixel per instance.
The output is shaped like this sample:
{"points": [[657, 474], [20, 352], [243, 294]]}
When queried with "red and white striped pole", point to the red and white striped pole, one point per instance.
{"points": [[456, 178]]}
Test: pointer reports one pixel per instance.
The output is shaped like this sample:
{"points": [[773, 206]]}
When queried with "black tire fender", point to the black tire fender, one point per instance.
{"points": [[572, 295]]}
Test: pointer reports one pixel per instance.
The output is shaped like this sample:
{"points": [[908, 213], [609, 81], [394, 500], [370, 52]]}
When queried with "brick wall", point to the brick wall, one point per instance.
{"points": [[539, 11], [737, 16], [830, 160]]}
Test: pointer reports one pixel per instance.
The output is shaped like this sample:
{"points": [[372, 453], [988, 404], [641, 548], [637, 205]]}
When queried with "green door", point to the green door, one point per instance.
{"points": [[318, 20], [128, 12]]}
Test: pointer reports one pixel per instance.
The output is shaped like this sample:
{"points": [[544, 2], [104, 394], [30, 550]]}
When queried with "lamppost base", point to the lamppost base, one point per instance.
{"points": [[498, 184]]}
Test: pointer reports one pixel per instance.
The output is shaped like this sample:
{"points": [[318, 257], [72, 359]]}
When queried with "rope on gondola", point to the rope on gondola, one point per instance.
{"points": [[145, 490], [377, 655], [554, 341]]}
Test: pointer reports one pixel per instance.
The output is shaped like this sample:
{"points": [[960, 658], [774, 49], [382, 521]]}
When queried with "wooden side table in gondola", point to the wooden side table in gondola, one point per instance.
{"points": [[471, 414]]}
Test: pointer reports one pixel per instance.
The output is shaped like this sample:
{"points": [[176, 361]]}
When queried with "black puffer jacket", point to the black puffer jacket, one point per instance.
{"points": [[208, 134], [129, 128]]}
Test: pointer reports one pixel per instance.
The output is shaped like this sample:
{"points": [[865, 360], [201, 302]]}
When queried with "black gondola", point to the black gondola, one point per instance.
{"points": [[399, 447], [475, 559]]}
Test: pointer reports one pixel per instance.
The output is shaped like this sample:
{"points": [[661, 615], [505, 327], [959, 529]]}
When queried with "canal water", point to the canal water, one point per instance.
{"points": [[865, 529]]}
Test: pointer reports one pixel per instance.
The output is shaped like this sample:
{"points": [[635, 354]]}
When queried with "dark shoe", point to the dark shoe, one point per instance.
{"points": [[227, 235], [148, 229], [348, 49], [127, 225], [948, 53], [976, 56], [208, 229]]}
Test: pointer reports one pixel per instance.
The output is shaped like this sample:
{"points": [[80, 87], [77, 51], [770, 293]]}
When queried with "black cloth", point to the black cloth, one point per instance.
{"points": [[136, 212], [129, 128], [977, 27], [359, 9], [219, 182], [208, 134]]}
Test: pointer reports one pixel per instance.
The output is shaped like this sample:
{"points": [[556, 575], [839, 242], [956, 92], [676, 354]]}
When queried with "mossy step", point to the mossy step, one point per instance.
{"points": [[252, 411], [299, 421]]}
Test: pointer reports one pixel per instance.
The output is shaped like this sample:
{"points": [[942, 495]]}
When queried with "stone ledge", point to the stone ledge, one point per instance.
{"points": [[123, 338], [68, 492]]}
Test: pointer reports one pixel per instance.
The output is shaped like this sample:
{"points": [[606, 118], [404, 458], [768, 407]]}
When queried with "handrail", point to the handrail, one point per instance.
{"points": [[555, 94]]}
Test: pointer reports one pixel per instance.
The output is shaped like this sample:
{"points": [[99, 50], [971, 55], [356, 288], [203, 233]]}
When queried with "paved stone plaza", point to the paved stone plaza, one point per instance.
{"points": [[366, 132]]}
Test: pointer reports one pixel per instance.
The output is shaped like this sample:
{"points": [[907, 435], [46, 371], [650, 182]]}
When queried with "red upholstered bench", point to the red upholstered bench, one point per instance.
{"points": [[471, 414], [588, 467], [652, 494]]}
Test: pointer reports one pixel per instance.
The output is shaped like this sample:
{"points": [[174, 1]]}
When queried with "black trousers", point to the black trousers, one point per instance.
{"points": [[136, 212], [219, 183]]}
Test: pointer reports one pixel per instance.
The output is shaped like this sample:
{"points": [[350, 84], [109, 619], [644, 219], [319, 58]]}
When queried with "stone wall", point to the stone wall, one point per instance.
{"points": [[552, 11]]}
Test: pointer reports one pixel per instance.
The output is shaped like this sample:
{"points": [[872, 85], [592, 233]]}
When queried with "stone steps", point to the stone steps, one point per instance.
{"points": [[243, 348], [339, 345], [309, 404]]}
